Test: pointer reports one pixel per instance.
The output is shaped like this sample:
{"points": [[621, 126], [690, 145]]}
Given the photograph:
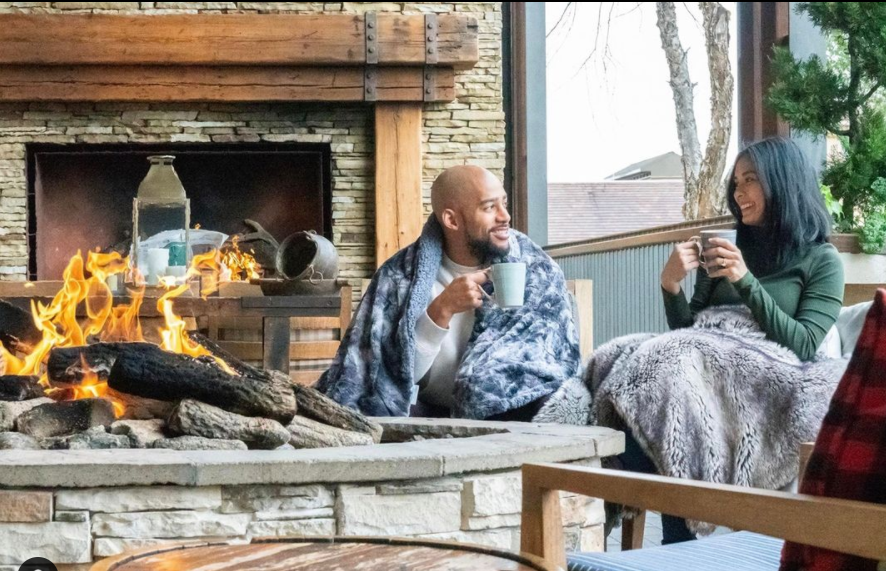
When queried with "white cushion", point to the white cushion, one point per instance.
{"points": [[740, 551], [849, 325], [831, 347]]}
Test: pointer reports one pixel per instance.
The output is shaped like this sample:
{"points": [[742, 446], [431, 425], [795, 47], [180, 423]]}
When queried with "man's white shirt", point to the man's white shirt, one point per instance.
{"points": [[438, 351]]}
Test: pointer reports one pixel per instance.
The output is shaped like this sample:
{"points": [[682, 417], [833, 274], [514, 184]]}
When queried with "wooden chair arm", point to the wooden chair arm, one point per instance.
{"points": [[847, 526], [632, 530]]}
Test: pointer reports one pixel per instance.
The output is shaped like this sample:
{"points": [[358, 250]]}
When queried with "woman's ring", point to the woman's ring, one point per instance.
{"points": [[723, 262]]}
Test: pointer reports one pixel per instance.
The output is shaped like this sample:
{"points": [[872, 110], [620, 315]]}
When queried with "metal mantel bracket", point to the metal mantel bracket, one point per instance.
{"points": [[370, 71]]}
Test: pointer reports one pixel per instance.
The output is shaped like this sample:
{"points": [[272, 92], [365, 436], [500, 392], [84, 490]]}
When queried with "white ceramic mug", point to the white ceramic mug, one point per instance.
{"points": [[703, 242], [509, 281]]}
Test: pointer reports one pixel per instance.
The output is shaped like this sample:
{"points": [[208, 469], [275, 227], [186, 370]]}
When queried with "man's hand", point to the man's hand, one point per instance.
{"points": [[463, 294]]}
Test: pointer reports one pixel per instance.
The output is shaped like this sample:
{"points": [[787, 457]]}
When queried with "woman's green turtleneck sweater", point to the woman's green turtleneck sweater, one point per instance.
{"points": [[795, 305]]}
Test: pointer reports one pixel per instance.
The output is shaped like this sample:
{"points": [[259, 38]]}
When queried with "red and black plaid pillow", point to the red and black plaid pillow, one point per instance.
{"points": [[849, 459]]}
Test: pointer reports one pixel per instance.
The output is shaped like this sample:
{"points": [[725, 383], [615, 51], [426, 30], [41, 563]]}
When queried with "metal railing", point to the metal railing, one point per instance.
{"points": [[625, 269]]}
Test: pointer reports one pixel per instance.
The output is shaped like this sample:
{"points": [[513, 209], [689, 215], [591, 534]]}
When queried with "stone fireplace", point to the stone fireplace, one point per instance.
{"points": [[451, 479], [464, 125]]}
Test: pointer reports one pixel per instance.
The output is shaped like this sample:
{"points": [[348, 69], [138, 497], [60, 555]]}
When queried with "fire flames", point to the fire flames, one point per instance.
{"points": [[85, 282], [91, 387], [242, 264]]}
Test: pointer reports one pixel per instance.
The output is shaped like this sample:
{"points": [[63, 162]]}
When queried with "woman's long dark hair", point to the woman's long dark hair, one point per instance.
{"points": [[795, 213]]}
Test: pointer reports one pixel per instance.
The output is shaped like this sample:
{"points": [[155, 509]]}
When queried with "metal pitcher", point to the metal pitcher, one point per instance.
{"points": [[307, 256]]}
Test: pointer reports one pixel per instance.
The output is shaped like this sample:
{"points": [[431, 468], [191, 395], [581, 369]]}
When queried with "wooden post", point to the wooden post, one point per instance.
{"points": [[761, 26], [275, 343], [583, 291], [515, 81], [398, 202]]}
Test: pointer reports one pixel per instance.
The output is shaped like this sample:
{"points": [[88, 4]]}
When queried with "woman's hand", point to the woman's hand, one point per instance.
{"points": [[683, 260], [725, 260]]}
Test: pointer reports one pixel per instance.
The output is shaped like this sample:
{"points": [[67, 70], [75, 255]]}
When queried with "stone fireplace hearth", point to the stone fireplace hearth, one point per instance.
{"points": [[75, 506]]}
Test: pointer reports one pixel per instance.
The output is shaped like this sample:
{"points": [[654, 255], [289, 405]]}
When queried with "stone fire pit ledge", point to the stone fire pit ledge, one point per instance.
{"points": [[500, 446]]}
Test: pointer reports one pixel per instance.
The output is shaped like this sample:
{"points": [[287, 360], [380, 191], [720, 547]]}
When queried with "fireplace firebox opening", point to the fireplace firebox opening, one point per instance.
{"points": [[80, 196]]}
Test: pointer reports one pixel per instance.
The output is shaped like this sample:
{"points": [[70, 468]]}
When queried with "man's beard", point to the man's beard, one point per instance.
{"points": [[485, 250]]}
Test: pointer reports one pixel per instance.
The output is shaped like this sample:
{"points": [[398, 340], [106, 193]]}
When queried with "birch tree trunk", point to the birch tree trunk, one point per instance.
{"points": [[702, 175]]}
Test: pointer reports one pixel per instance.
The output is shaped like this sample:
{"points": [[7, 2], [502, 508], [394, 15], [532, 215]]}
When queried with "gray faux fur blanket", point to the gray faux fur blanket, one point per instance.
{"points": [[716, 402], [513, 356]]}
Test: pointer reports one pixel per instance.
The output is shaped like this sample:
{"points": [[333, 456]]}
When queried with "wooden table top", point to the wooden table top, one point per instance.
{"points": [[326, 305], [324, 554]]}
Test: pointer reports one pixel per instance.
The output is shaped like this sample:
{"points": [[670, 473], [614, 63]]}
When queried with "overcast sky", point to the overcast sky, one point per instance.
{"points": [[617, 108]]}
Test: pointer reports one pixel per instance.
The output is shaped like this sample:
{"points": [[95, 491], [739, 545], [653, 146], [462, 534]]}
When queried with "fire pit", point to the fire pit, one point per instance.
{"points": [[452, 479], [121, 443]]}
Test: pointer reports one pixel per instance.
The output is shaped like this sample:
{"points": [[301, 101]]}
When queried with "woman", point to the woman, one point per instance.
{"points": [[782, 267]]}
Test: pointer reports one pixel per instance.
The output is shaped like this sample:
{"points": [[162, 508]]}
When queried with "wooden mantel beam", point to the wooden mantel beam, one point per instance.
{"points": [[213, 83], [233, 39]]}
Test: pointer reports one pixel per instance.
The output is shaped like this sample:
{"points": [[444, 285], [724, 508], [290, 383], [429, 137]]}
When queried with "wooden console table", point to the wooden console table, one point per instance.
{"points": [[274, 311]]}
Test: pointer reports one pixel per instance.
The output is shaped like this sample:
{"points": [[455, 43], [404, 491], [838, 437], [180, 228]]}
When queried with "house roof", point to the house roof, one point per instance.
{"points": [[580, 211], [668, 165]]}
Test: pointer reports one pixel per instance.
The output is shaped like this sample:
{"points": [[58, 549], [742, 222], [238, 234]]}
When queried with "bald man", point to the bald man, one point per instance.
{"points": [[427, 341], [471, 206]]}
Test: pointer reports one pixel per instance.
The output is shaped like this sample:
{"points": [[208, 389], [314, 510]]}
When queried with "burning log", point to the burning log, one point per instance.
{"points": [[307, 433], [139, 408], [59, 394], [315, 405], [63, 418], [158, 374], [229, 358], [10, 411], [65, 364], [310, 402], [193, 418], [19, 388], [17, 329]]}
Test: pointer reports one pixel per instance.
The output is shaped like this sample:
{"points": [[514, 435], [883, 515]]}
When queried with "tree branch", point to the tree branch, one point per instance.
{"points": [[560, 20], [597, 38], [681, 87], [870, 93], [716, 28]]}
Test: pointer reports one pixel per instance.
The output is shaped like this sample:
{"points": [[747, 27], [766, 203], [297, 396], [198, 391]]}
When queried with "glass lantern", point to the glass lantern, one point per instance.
{"points": [[161, 220]]}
